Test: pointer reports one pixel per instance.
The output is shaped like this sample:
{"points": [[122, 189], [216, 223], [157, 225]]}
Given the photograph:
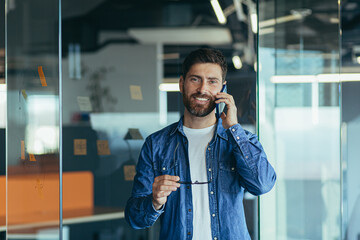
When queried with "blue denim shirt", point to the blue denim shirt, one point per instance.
{"points": [[234, 158]]}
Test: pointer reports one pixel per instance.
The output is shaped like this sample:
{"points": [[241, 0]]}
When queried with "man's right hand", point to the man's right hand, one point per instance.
{"points": [[162, 187]]}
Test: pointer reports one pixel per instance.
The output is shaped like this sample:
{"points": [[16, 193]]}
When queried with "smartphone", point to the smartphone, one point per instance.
{"points": [[219, 108]]}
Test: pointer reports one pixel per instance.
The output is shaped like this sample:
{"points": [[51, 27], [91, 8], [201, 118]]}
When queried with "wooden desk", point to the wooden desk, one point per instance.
{"points": [[96, 214], [40, 210]]}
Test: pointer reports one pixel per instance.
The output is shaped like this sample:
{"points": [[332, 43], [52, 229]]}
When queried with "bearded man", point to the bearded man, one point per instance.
{"points": [[193, 173]]}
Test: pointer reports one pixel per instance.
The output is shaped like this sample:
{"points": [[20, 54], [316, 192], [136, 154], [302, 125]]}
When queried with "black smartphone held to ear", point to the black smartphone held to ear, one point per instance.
{"points": [[220, 106]]}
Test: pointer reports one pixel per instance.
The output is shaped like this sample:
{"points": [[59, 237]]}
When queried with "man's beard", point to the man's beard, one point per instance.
{"points": [[199, 110]]}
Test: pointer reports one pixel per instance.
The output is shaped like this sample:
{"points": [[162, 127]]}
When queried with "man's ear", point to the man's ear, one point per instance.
{"points": [[181, 84]]}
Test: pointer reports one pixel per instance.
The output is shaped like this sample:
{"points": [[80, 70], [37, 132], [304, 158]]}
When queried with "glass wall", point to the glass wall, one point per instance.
{"points": [[350, 118], [121, 62], [84, 118], [32, 77], [299, 118], [309, 118], [2, 125], [117, 82]]}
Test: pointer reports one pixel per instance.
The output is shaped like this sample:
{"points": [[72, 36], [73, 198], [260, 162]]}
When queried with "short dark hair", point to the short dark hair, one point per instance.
{"points": [[204, 55]]}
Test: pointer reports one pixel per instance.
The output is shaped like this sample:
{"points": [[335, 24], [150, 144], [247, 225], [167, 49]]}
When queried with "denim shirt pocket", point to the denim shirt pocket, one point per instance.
{"points": [[164, 166], [229, 178]]}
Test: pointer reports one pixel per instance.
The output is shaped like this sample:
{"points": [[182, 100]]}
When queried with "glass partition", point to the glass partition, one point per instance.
{"points": [[350, 116], [32, 74], [300, 117], [121, 65], [88, 114], [2, 125]]}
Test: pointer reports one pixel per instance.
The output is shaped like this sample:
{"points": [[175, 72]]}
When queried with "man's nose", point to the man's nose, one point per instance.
{"points": [[202, 87]]}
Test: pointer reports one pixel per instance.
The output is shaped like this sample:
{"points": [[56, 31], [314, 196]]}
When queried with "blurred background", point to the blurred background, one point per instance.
{"points": [[83, 83]]}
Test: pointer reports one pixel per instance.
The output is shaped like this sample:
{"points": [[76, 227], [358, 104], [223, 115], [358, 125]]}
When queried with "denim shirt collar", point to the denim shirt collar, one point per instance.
{"points": [[220, 131]]}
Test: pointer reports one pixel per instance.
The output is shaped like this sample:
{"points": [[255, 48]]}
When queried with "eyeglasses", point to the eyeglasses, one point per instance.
{"points": [[183, 182]]}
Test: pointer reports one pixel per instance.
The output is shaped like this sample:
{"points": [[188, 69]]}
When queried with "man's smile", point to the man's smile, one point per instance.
{"points": [[202, 100]]}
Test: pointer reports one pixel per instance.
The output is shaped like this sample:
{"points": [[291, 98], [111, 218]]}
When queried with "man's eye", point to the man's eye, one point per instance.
{"points": [[194, 79], [213, 81]]}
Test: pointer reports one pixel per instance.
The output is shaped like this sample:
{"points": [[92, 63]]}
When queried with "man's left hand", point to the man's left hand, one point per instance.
{"points": [[230, 118]]}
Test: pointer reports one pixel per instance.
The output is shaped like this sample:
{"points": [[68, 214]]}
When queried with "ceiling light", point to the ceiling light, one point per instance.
{"points": [[239, 10], [303, 12], [181, 36], [321, 78], [253, 17], [334, 20], [274, 21], [237, 62], [169, 87], [218, 11], [350, 77], [358, 60], [293, 79], [264, 31]]}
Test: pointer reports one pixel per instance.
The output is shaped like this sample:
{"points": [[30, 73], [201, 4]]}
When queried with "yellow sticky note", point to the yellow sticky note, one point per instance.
{"points": [[80, 147], [24, 94], [42, 76], [32, 157], [22, 150], [103, 147], [84, 104], [135, 92], [129, 172]]}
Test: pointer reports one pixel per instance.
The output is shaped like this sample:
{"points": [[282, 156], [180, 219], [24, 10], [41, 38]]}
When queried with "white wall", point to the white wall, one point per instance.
{"points": [[131, 64]]}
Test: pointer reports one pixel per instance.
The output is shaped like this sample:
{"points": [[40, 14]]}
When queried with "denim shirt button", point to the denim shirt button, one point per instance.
{"points": [[190, 210], [211, 192], [164, 168], [213, 214], [246, 157], [189, 233], [209, 149], [209, 169], [237, 137], [215, 238], [233, 129]]}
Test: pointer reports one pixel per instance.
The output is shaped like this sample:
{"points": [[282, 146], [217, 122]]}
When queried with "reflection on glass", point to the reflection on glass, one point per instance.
{"points": [[121, 63], [350, 116], [42, 132], [3, 116], [299, 119], [33, 186]]}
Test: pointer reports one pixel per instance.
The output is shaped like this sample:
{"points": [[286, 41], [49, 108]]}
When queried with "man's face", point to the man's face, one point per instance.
{"points": [[201, 84]]}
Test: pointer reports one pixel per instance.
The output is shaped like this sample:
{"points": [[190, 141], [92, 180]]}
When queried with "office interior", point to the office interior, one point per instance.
{"points": [[83, 83]]}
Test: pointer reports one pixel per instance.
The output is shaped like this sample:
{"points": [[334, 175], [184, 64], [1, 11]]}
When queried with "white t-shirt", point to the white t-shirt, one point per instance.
{"points": [[198, 141]]}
